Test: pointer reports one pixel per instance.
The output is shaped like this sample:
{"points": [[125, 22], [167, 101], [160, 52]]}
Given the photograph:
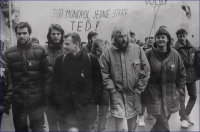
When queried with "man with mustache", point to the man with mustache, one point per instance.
{"points": [[31, 72], [189, 56], [54, 48], [125, 72]]}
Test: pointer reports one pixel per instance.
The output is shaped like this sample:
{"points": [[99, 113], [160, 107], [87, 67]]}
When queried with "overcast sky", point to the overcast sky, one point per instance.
{"points": [[138, 18]]}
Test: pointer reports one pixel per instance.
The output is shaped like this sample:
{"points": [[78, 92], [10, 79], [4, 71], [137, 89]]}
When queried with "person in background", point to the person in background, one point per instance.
{"points": [[78, 86], [83, 44], [98, 46], [91, 36], [6, 89], [35, 40], [148, 43], [125, 72], [55, 48], [140, 43], [190, 59], [167, 80], [31, 72], [172, 42], [132, 37]]}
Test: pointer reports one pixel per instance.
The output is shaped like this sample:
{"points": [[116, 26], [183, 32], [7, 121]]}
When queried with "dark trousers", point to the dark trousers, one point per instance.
{"points": [[52, 118], [192, 92], [161, 124], [103, 110], [36, 118], [143, 110]]}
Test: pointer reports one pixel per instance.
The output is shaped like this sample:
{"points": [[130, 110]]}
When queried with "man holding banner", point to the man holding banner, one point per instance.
{"points": [[125, 71]]}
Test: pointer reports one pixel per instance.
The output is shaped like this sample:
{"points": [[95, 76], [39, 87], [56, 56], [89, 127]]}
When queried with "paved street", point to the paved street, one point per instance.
{"points": [[175, 124]]}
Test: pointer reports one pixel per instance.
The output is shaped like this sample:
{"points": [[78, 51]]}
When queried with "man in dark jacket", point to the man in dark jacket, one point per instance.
{"points": [[91, 36], [6, 89], [190, 60], [54, 48], [78, 86], [31, 72], [148, 43]]}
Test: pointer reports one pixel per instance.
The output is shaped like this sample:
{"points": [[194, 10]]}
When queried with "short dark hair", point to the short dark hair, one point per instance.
{"points": [[163, 31], [96, 45], [35, 39], [56, 27], [23, 25], [91, 34], [131, 33], [181, 31], [75, 38]]}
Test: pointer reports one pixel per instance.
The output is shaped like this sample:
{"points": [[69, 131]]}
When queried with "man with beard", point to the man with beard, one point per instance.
{"points": [[77, 82], [54, 48], [31, 72], [189, 56], [125, 71], [91, 36], [148, 43]]}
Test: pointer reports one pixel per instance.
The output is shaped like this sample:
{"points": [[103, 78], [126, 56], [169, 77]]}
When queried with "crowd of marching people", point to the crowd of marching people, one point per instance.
{"points": [[77, 84]]}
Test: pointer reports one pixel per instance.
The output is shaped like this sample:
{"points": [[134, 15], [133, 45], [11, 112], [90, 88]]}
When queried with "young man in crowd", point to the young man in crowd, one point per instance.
{"points": [[31, 72], [189, 56], [125, 71], [78, 86], [54, 48]]}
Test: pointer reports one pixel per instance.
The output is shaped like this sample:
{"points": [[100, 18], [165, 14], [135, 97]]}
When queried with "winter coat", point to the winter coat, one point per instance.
{"points": [[86, 48], [189, 56], [54, 52], [121, 72], [6, 88], [31, 72], [77, 85], [167, 82]]}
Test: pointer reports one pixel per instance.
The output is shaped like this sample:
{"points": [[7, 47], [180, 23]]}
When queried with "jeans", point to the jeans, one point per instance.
{"points": [[192, 92], [124, 125]]}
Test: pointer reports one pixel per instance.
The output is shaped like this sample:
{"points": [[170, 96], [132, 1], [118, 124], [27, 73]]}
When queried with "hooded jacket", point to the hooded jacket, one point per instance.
{"points": [[121, 72], [190, 59], [167, 82]]}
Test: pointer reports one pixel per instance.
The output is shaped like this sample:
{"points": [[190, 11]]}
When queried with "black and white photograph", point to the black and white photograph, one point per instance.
{"points": [[99, 66]]}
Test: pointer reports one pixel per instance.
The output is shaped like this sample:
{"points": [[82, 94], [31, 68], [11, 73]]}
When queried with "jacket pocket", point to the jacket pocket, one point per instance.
{"points": [[114, 99], [174, 98]]}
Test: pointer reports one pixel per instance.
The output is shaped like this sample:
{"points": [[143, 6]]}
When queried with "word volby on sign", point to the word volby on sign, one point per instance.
{"points": [[156, 2]]}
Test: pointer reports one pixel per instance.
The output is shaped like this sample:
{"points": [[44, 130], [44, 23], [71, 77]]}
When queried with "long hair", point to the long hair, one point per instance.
{"points": [[56, 27]]}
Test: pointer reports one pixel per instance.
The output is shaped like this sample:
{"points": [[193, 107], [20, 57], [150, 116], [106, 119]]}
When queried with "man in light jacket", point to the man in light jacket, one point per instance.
{"points": [[125, 71]]}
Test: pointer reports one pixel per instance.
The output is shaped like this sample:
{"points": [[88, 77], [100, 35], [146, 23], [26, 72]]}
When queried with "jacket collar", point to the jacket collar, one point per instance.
{"points": [[155, 51], [78, 56], [24, 46], [178, 45]]}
